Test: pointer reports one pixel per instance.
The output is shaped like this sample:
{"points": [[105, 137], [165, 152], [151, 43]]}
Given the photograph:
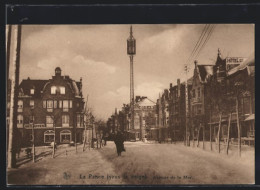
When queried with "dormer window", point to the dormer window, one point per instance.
{"points": [[62, 90], [57, 90], [32, 104], [32, 91], [53, 89]]}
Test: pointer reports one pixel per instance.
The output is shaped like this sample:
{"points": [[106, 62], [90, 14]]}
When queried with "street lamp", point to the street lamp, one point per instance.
{"points": [[32, 123]]}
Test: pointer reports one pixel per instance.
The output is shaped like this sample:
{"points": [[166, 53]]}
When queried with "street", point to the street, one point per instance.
{"points": [[142, 163]]}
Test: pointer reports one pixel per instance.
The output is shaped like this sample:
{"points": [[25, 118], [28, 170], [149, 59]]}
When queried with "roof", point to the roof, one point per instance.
{"points": [[248, 64], [205, 71], [38, 85], [146, 102], [75, 88]]}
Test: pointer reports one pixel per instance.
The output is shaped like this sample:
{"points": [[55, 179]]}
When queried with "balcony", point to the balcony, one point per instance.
{"points": [[65, 109], [49, 125], [65, 124], [80, 125], [49, 109]]}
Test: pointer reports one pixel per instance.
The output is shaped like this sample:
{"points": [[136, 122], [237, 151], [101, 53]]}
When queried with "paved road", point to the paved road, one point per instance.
{"points": [[140, 164]]}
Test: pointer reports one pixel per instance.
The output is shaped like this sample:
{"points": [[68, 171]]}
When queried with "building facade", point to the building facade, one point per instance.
{"points": [[51, 109]]}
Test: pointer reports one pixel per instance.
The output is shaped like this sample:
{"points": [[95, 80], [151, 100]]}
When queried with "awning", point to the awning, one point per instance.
{"points": [[250, 117]]}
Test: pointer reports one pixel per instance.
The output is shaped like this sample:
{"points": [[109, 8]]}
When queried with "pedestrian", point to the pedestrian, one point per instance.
{"points": [[119, 141]]}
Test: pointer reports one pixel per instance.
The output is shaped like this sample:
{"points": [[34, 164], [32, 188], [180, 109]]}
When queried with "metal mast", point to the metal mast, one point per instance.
{"points": [[131, 51]]}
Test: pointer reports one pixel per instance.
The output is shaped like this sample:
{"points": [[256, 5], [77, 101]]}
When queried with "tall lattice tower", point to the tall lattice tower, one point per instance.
{"points": [[131, 51]]}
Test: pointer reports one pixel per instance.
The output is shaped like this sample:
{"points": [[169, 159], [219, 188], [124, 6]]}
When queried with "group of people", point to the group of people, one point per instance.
{"points": [[119, 141]]}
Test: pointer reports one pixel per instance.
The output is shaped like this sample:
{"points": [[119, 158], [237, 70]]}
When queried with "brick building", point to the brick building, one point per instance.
{"points": [[177, 109], [50, 107]]}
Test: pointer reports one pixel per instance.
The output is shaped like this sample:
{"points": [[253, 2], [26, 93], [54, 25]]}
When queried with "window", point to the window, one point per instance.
{"points": [[44, 104], [62, 90], [79, 120], [246, 105], [31, 119], [55, 104], [20, 106], [49, 121], [49, 105], [65, 105], [193, 93], [60, 103], [32, 91], [70, 103], [48, 136], [19, 121], [198, 92], [32, 104], [53, 89], [65, 136], [65, 120]]}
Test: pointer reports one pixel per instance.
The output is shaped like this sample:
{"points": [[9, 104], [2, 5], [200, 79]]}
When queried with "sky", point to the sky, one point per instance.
{"points": [[97, 53]]}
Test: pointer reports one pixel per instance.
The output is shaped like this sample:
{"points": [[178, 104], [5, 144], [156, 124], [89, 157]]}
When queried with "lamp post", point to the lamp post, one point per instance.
{"points": [[33, 136], [92, 127], [54, 139]]}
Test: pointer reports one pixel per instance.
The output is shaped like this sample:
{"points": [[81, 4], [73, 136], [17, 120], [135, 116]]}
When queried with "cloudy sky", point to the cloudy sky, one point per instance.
{"points": [[97, 53]]}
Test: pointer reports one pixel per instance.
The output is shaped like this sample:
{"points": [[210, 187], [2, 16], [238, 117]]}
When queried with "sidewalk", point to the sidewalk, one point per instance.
{"points": [[88, 167]]}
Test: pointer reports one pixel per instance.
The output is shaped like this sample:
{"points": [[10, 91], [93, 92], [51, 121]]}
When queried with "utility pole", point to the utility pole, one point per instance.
{"points": [[187, 106], [54, 140], [131, 51], [14, 97]]}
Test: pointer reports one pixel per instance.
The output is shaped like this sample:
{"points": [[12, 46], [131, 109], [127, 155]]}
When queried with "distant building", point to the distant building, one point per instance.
{"points": [[51, 107], [145, 116], [177, 109], [200, 105]]}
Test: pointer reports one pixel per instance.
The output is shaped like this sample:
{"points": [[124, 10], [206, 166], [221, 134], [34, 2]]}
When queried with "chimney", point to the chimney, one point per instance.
{"points": [[170, 85], [179, 87]]}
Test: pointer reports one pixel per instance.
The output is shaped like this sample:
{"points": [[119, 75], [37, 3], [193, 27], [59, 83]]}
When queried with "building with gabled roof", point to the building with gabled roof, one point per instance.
{"points": [[51, 108]]}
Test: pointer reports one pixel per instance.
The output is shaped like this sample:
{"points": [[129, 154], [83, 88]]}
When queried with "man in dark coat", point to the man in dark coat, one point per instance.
{"points": [[119, 141]]}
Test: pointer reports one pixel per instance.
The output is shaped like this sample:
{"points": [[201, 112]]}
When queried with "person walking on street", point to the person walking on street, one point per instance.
{"points": [[119, 141]]}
